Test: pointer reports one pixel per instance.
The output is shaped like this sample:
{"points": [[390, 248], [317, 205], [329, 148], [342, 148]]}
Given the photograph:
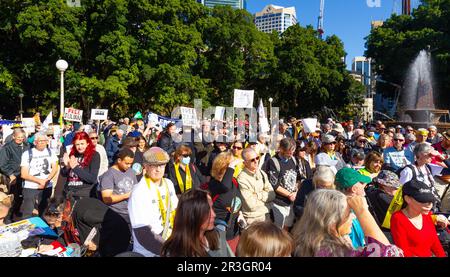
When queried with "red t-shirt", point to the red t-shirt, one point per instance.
{"points": [[415, 242]]}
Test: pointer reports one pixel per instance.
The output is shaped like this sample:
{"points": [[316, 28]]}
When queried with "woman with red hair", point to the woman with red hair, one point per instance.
{"points": [[81, 168]]}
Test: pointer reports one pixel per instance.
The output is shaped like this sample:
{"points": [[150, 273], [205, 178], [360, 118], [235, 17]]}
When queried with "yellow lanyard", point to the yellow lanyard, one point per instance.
{"points": [[162, 207], [188, 186]]}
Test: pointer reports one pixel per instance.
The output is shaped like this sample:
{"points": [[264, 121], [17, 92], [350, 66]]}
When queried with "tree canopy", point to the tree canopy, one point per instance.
{"points": [[140, 55]]}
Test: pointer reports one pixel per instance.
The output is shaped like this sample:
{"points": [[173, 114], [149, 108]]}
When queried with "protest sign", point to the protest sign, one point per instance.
{"points": [[99, 114], [71, 114], [189, 116], [309, 124], [28, 124], [219, 113], [243, 98]]}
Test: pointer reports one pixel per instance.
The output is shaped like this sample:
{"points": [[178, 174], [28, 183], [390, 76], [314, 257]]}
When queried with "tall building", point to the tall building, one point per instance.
{"points": [[237, 4], [275, 18], [361, 66]]}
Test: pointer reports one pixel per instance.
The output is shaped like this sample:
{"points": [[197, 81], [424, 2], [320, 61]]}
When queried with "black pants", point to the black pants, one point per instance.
{"points": [[34, 199], [16, 190]]}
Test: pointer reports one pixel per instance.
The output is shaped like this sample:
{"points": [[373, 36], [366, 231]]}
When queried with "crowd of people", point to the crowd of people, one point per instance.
{"points": [[337, 191]]}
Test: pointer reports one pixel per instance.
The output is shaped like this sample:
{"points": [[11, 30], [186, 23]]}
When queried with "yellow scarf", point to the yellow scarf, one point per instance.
{"points": [[188, 185], [162, 207]]}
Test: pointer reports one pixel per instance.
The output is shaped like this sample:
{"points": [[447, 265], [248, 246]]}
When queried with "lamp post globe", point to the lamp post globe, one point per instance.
{"points": [[21, 108], [62, 65]]}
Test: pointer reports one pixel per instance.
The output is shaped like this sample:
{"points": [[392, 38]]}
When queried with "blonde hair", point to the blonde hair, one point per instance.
{"points": [[220, 164], [317, 229], [264, 239]]}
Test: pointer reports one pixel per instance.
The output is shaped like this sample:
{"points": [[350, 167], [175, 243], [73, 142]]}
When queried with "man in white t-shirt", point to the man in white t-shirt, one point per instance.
{"points": [[38, 166], [152, 205]]}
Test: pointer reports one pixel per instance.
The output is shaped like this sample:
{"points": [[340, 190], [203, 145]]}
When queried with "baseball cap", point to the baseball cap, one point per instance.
{"points": [[358, 154], [398, 136], [387, 178], [420, 191], [348, 177], [328, 139]]}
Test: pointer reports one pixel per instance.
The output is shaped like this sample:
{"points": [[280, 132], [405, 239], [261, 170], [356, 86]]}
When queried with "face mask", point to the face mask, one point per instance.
{"points": [[186, 160]]}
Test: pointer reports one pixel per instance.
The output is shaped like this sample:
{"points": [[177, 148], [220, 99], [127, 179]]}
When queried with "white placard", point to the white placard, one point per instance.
{"points": [[71, 114], [309, 124], [153, 118], [264, 125], [243, 98], [219, 114], [99, 114], [189, 116], [28, 124], [73, 3], [7, 130]]}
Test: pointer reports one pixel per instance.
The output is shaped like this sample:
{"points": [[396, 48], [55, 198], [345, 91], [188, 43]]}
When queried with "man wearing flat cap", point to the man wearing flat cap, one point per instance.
{"points": [[152, 205]]}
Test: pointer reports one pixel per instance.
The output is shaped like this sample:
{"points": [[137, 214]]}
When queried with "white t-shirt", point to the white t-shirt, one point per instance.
{"points": [[143, 208], [422, 174], [39, 167]]}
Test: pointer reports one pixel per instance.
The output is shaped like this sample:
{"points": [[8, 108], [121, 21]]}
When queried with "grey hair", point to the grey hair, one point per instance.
{"points": [[40, 135], [323, 174], [317, 229], [120, 131], [246, 151], [422, 148], [287, 144]]}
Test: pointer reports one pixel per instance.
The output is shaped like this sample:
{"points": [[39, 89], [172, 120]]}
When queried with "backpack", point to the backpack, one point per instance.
{"points": [[30, 154], [276, 162]]}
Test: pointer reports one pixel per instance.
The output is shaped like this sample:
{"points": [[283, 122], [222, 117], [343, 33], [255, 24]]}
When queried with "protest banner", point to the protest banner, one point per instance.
{"points": [[71, 114], [309, 124], [189, 116], [219, 113], [28, 124], [99, 114], [243, 98]]}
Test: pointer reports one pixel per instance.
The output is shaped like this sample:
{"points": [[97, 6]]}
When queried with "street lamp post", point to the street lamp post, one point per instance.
{"points": [[62, 65], [270, 106], [21, 108]]}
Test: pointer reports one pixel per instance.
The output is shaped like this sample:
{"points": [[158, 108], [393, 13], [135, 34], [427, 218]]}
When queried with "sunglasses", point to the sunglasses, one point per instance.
{"points": [[399, 140], [362, 141], [186, 155], [93, 137], [237, 148], [254, 160]]}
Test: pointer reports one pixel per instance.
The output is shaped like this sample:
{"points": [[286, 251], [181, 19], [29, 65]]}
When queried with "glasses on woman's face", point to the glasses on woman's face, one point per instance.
{"points": [[93, 138], [399, 140], [237, 148]]}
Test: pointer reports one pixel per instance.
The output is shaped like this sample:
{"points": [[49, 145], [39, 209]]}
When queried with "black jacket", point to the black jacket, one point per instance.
{"points": [[226, 197], [196, 175], [10, 158], [87, 175], [166, 143]]}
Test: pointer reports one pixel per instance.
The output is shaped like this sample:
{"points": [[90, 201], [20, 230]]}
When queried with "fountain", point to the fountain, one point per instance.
{"points": [[418, 100]]}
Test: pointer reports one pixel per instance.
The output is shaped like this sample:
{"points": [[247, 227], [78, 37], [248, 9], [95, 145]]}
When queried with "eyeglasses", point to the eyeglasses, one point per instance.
{"points": [[399, 140], [237, 148], [362, 141], [93, 137], [186, 155], [254, 160]]}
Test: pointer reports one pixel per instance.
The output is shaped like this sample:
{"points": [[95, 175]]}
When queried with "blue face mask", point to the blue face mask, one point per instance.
{"points": [[186, 160]]}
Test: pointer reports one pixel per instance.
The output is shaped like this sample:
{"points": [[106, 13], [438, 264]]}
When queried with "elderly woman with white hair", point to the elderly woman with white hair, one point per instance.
{"points": [[323, 179], [423, 170], [324, 228]]}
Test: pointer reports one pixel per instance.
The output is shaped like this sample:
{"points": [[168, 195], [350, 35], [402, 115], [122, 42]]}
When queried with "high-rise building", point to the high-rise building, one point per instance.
{"points": [[237, 4], [275, 18], [361, 66]]}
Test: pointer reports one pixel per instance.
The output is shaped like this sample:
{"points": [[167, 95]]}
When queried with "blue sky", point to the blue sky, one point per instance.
{"points": [[348, 19]]}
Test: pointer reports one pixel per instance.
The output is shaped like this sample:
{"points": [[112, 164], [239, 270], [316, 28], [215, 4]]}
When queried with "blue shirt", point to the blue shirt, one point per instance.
{"points": [[398, 159], [357, 234]]}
